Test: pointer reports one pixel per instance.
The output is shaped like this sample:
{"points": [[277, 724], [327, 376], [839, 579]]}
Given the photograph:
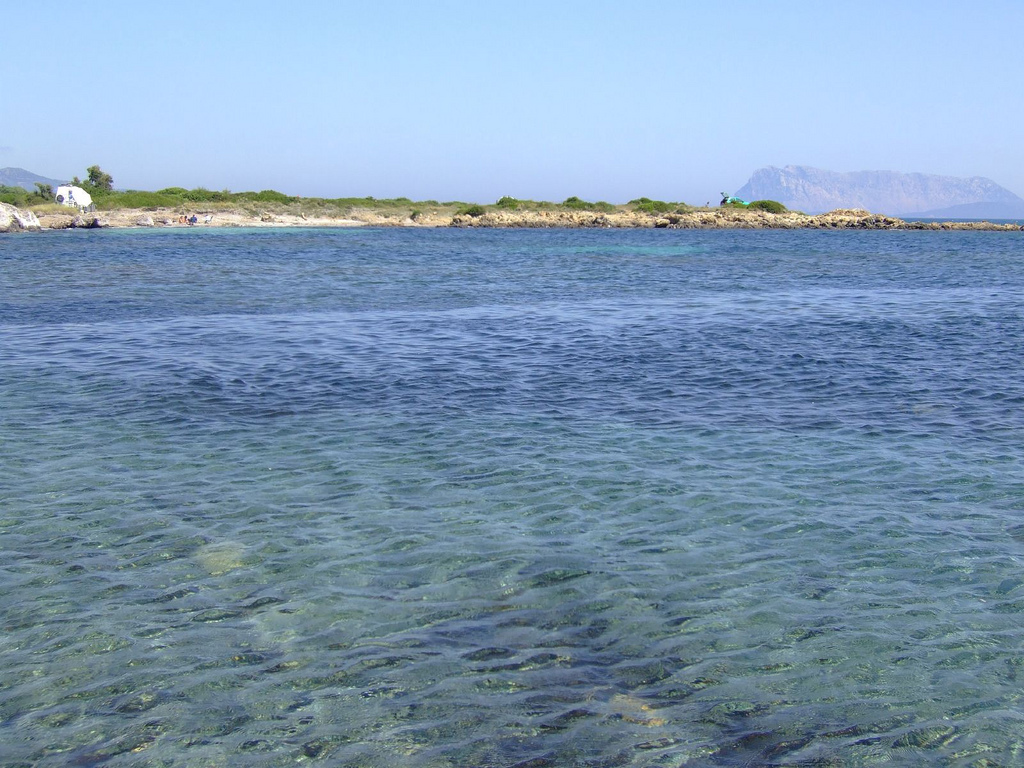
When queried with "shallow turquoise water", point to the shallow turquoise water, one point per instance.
{"points": [[447, 498]]}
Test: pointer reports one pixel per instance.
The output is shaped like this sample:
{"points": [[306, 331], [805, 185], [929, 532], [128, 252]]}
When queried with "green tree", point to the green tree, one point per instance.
{"points": [[44, 192], [98, 179], [14, 195]]}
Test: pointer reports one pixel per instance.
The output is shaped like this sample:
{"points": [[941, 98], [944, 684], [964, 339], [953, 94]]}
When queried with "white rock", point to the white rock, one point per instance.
{"points": [[16, 220]]}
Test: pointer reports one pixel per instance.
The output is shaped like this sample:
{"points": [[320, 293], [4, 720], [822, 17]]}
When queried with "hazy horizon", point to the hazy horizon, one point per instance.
{"points": [[533, 101]]}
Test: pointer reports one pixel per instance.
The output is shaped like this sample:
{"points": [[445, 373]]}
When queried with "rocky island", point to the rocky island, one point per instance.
{"points": [[29, 202], [909, 195], [14, 219]]}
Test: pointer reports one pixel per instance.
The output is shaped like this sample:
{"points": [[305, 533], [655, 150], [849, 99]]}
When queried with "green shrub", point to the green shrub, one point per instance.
{"points": [[771, 206], [203, 195], [646, 205], [576, 204], [351, 202], [472, 210], [272, 196], [14, 195], [197, 195], [21, 197], [508, 203], [134, 199]]}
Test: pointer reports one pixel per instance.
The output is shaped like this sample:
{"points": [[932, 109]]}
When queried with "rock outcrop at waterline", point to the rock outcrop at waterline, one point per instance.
{"points": [[721, 218], [71, 221], [16, 220], [698, 218]]}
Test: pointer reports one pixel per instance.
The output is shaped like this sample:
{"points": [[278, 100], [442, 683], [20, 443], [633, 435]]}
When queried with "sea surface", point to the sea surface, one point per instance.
{"points": [[511, 498]]}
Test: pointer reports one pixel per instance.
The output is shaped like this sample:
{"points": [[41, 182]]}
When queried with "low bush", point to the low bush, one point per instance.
{"points": [[203, 195], [646, 205], [14, 195], [271, 196], [472, 210], [21, 197], [508, 203], [518, 204], [771, 206], [350, 202], [576, 204], [135, 199]]}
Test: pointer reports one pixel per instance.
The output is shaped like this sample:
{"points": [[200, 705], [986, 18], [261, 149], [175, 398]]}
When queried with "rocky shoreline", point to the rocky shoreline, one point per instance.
{"points": [[717, 218], [14, 219]]}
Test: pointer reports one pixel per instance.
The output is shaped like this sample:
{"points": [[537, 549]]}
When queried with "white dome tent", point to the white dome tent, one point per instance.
{"points": [[74, 197]]}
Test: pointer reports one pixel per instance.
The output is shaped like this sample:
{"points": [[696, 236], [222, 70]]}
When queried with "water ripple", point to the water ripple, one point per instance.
{"points": [[511, 498]]}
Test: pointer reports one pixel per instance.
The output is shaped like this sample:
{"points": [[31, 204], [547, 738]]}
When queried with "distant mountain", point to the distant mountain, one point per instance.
{"points": [[19, 177], [898, 194]]}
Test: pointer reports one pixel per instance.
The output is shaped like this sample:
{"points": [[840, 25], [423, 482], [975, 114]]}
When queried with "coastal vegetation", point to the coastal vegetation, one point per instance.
{"points": [[576, 204], [23, 198], [771, 206], [100, 186], [646, 205], [173, 206]]}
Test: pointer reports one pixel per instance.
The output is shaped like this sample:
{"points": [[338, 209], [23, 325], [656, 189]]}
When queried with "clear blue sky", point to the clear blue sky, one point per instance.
{"points": [[543, 100]]}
